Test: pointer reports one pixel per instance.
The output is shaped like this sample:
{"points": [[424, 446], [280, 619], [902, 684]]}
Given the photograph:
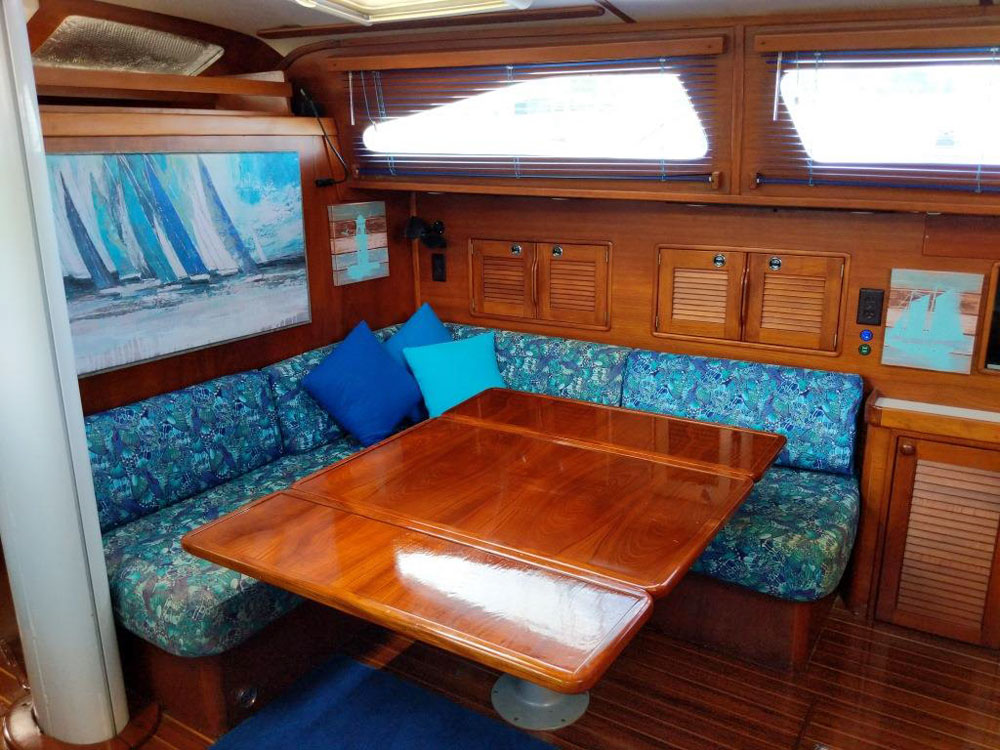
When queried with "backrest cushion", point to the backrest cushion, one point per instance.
{"points": [[555, 366], [305, 425], [815, 410], [154, 453]]}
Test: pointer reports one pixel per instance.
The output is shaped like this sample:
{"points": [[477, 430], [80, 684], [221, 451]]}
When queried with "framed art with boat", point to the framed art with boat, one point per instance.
{"points": [[167, 252]]}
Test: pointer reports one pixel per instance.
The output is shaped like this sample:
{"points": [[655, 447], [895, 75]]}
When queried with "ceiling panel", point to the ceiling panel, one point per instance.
{"points": [[249, 15]]}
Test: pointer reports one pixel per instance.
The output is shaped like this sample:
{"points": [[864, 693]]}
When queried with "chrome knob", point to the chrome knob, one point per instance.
{"points": [[515, 249], [719, 260], [557, 252], [775, 263]]}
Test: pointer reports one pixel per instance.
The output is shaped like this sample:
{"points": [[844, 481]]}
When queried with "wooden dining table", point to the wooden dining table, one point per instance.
{"points": [[529, 533]]}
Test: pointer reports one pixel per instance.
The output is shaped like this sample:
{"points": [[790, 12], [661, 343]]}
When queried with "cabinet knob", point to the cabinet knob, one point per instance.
{"points": [[907, 449], [719, 260], [515, 249], [775, 263], [557, 251]]}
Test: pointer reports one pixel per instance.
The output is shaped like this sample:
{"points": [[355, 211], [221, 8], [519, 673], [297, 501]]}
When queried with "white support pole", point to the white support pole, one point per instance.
{"points": [[48, 516]]}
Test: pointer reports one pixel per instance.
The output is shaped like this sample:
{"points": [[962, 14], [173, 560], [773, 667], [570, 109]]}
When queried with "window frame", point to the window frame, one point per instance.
{"points": [[757, 154], [709, 42]]}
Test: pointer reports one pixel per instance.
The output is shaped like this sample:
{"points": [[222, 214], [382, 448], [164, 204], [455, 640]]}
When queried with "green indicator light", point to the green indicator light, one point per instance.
{"points": [[865, 350]]}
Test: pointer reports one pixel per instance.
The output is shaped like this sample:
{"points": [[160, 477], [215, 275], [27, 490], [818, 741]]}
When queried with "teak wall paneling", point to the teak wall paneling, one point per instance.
{"points": [[872, 243], [334, 309]]}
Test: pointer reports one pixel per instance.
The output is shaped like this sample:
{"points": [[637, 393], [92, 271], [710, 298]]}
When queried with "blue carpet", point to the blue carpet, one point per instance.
{"points": [[344, 704]]}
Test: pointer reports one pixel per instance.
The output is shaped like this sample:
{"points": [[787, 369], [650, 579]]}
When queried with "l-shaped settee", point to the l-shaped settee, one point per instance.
{"points": [[168, 464]]}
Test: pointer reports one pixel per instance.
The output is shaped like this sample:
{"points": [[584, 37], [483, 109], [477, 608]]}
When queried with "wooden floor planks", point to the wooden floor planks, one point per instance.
{"points": [[867, 688]]}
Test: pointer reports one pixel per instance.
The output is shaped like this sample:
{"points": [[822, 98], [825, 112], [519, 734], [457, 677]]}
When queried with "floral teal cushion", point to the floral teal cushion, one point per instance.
{"points": [[555, 366], [305, 424], [816, 411], [791, 539], [153, 453], [189, 606]]}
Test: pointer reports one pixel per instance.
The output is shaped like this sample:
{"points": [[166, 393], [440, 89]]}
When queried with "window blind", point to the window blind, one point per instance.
{"points": [[909, 118], [387, 96]]}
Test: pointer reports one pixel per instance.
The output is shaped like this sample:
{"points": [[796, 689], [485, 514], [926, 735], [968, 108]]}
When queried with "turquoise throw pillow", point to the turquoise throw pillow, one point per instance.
{"points": [[363, 387], [451, 373], [422, 329]]}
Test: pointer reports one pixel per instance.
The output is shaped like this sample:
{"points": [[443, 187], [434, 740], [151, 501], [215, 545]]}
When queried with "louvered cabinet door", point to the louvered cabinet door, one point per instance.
{"points": [[699, 292], [503, 278], [573, 284], [940, 559], [793, 300]]}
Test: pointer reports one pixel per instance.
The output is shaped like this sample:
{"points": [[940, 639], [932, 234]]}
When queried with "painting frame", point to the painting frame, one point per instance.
{"points": [[296, 181]]}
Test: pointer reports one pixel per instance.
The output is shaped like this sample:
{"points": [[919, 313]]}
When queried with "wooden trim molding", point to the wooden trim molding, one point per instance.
{"points": [[928, 38], [707, 45], [73, 82], [68, 123]]}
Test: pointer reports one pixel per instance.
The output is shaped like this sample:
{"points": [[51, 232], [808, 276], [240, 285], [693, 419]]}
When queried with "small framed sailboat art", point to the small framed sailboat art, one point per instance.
{"points": [[932, 319], [162, 253]]}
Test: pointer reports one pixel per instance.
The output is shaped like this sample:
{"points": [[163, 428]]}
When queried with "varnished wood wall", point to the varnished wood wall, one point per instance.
{"points": [[876, 242], [334, 309]]}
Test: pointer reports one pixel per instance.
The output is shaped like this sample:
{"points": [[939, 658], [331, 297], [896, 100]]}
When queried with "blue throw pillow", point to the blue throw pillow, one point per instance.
{"points": [[451, 373], [422, 329], [363, 387]]}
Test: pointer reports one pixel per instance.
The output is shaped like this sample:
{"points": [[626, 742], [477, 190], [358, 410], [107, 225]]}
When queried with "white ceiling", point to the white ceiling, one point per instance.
{"points": [[249, 15]]}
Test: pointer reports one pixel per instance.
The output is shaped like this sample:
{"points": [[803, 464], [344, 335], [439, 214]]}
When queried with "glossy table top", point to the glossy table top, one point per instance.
{"points": [[575, 507], [653, 436], [555, 629], [525, 532]]}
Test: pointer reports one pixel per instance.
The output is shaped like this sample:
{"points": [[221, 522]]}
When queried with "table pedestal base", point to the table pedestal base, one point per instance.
{"points": [[529, 706]]}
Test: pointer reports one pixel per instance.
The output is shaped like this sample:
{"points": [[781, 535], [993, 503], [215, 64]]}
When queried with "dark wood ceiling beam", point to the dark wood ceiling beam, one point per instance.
{"points": [[571, 12], [615, 10]]}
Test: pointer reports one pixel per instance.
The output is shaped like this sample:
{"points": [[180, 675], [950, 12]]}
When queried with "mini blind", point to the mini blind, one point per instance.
{"points": [[650, 118], [912, 118]]}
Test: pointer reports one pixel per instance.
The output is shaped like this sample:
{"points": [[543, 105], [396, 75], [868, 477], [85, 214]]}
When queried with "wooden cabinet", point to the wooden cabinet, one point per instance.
{"points": [[700, 292], [926, 554], [940, 558], [793, 300], [779, 299], [553, 282], [502, 275]]}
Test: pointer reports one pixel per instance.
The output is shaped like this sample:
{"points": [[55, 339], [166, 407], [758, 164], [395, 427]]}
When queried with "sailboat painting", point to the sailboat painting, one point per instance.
{"points": [[932, 318], [164, 253]]}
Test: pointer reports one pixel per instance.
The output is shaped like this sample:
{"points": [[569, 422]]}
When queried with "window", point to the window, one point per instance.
{"points": [[909, 118], [570, 116], [637, 119]]}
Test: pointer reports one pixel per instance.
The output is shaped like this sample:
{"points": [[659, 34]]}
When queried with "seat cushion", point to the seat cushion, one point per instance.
{"points": [[304, 424], [792, 537], [555, 366], [816, 411], [151, 454], [189, 606]]}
